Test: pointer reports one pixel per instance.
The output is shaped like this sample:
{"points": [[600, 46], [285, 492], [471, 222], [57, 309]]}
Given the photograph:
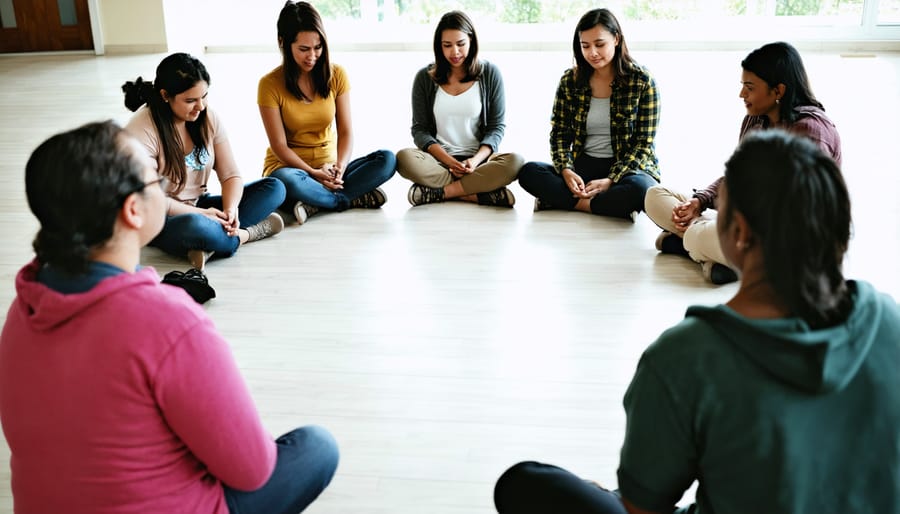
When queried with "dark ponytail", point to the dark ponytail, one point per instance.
{"points": [[795, 200], [75, 183], [137, 93]]}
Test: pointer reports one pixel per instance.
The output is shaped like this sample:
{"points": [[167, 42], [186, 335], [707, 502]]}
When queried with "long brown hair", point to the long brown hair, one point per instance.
{"points": [[296, 17], [622, 61], [455, 20], [175, 74]]}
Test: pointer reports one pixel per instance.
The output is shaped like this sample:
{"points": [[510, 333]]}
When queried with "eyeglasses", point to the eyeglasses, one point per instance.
{"points": [[162, 181]]}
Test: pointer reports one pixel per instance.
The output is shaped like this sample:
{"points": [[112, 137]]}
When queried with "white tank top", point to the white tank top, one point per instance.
{"points": [[457, 119]]}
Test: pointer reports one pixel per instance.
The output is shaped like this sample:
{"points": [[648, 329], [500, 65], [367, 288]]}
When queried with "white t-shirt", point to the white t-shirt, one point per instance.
{"points": [[599, 134], [457, 120]]}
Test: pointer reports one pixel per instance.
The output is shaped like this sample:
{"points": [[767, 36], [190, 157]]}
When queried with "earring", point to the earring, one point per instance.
{"points": [[777, 101], [742, 245]]}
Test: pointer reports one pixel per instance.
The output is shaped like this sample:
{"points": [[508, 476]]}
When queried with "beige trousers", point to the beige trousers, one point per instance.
{"points": [[700, 239], [422, 168]]}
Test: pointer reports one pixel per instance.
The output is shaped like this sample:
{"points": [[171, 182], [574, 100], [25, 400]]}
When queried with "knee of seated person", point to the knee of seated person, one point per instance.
{"points": [[317, 442], [528, 172], [654, 193], [274, 185], [515, 480], [514, 163]]}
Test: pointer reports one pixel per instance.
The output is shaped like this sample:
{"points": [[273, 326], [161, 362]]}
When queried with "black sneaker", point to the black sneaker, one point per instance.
{"points": [[541, 206], [502, 197], [420, 195], [374, 199], [670, 243], [718, 273]]}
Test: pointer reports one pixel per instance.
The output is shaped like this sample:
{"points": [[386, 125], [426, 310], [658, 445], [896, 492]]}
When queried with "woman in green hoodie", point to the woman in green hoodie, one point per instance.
{"points": [[785, 399]]}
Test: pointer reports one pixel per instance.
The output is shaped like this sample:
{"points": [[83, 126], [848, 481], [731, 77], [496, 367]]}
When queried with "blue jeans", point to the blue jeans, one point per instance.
{"points": [[361, 176], [619, 201], [535, 488], [307, 459], [197, 232]]}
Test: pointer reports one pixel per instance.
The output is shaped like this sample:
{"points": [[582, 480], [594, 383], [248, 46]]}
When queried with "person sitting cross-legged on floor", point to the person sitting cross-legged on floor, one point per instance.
{"points": [[784, 399], [776, 93], [602, 130], [458, 105], [117, 392], [187, 141]]}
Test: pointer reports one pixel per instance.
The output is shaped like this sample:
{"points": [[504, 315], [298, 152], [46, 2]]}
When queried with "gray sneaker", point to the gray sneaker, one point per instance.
{"points": [[270, 226], [302, 211]]}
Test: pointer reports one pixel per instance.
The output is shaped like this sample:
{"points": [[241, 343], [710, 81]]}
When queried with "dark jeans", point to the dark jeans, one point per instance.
{"points": [[535, 488], [619, 201], [361, 176], [307, 459], [197, 232]]}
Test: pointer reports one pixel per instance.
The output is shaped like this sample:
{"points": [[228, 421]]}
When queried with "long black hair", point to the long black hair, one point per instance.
{"points": [[795, 201], [622, 61], [780, 63], [75, 183], [296, 17], [175, 74], [455, 20]]}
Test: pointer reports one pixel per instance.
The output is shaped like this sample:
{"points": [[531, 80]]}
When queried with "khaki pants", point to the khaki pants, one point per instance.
{"points": [[700, 239], [422, 168]]}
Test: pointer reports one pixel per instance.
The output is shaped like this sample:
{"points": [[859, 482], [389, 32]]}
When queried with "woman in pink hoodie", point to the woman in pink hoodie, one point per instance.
{"points": [[117, 393]]}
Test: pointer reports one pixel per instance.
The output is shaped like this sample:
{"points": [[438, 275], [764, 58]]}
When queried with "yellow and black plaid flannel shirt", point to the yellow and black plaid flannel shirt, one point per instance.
{"points": [[634, 117]]}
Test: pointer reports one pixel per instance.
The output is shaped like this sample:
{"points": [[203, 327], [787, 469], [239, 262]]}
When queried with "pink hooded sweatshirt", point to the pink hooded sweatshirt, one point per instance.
{"points": [[124, 399]]}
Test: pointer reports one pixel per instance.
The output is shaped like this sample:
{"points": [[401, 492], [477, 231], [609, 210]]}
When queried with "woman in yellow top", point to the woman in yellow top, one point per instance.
{"points": [[299, 102]]}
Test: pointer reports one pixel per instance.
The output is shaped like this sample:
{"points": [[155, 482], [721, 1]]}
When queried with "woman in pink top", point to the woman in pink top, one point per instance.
{"points": [[187, 142], [117, 393]]}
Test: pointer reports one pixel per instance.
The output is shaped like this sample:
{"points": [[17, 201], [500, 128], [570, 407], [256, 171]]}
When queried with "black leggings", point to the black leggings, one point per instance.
{"points": [[619, 201], [535, 488]]}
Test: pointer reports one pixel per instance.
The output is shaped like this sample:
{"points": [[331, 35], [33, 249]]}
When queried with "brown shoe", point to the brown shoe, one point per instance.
{"points": [[374, 199]]}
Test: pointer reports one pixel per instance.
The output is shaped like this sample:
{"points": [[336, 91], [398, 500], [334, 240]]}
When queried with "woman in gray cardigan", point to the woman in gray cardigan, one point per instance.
{"points": [[458, 122]]}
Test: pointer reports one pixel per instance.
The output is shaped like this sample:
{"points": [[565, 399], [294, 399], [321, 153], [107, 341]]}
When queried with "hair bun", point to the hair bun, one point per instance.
{"points": [[137, 93]]}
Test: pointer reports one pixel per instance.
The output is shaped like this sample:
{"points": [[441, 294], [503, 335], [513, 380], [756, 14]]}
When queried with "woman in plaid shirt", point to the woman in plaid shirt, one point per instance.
{"points": [[603, 128]]}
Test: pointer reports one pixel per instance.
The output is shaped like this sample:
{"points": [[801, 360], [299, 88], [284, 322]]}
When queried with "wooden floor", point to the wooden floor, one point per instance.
{"points": [[441, 344]]}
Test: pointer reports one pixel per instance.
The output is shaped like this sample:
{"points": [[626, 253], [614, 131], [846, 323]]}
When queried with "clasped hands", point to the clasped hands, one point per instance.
{"points": [[685, 213], [460, 169], [580, 189], [227, 218], [330, 175]]}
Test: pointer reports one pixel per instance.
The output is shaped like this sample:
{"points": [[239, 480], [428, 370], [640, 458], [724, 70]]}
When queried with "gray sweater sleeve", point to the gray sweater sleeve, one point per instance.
{"points": [[493, 106], [423, 125]]}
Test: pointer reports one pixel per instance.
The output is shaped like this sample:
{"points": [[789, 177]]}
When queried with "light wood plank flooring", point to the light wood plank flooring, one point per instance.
{"points": [[441, 344]]}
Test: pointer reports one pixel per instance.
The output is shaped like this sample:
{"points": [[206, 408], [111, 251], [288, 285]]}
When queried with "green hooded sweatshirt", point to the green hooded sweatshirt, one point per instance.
{"points": [[768, 416]]}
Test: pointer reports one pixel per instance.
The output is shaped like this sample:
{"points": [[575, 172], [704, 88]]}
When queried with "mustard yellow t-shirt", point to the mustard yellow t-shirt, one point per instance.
{"points": [[308, 127]]}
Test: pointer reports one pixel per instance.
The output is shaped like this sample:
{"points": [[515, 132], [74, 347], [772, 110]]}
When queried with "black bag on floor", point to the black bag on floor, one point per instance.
{"points": [[194, 282]]}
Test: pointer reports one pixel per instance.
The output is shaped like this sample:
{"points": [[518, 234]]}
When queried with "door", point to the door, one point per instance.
{"points": [[44, 25]]}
